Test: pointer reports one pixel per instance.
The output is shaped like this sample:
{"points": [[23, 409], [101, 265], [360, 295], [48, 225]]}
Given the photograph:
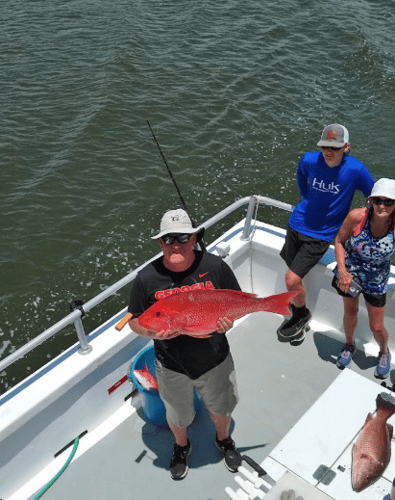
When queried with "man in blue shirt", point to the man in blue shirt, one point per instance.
{"points": [[327, 181]]}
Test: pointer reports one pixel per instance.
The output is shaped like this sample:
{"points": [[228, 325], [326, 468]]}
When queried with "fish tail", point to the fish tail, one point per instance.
{"points": [[278, 304], [386, 403]]}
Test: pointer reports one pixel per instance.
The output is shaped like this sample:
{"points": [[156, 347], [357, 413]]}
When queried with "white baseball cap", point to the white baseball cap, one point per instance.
{"points": [[177, 222], [384, 187], [334, 135]]}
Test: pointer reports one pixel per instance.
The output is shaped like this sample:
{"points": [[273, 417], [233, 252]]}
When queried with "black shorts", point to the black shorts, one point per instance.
{"points": [[373, 300], [301, 253]]}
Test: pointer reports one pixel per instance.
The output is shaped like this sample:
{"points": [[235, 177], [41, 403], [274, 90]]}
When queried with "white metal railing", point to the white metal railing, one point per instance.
{"points": [[76, 316]]}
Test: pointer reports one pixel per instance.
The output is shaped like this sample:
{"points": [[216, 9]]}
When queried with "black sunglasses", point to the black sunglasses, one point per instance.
{"points": [[331, 147], [169, 239], [379, 201]]}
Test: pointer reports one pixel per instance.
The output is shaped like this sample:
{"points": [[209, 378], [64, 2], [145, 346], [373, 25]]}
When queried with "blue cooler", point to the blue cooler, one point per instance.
{"points": [[151, 402]]}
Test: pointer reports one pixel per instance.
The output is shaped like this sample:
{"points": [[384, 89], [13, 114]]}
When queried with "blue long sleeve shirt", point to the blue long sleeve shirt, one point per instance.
{"points": [[327, 194]]}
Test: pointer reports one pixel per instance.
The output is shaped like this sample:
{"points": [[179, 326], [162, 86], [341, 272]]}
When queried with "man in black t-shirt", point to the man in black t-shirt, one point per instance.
{"points": [[185, 363]]}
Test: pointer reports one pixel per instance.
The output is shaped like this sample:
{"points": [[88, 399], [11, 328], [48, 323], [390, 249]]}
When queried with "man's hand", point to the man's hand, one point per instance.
{"points": [[224, 325], [166, 334]]}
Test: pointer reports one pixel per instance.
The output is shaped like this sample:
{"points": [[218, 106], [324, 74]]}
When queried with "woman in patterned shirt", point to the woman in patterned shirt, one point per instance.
{"points": [[364, 246]]}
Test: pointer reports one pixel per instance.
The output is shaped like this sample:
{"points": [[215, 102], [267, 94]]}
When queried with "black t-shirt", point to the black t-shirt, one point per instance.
{"points": [[184, 354]]}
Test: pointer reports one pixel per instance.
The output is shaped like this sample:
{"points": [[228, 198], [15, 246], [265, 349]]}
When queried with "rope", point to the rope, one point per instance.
{"points": [[60, 472]]}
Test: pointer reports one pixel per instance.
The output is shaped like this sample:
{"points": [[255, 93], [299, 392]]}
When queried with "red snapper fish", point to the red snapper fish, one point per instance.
{"points": [[196, 312], [146, 379], [372, 451]]}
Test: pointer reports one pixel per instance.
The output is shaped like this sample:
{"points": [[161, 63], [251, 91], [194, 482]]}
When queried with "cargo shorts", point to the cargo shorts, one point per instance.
{"points": [[217, 388]]}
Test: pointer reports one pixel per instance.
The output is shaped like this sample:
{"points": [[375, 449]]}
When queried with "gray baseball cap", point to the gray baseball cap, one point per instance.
{"points": [[334, 135], [177, 222]]}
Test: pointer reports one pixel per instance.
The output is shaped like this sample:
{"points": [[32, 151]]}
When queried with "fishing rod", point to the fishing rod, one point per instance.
{"points": [[201, 243], [168, 169]]}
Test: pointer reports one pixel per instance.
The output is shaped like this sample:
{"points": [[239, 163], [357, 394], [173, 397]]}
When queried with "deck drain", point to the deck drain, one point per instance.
{"points": [[324, 474]]}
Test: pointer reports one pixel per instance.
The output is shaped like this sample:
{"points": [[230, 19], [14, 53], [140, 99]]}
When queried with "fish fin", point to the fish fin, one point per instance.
{"points": [[386, 402], [390, 430], [369, 417], [236, 293], [279, 303]]}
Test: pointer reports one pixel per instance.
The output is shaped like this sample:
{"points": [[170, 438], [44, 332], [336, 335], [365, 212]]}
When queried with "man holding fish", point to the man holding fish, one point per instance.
{"points": [[186, 362]]}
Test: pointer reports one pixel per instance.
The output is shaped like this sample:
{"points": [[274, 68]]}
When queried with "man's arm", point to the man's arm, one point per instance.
{"points": [[367, 182], [302, 176]]}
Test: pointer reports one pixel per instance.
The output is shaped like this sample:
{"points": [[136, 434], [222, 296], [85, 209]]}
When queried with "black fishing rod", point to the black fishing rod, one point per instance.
{"points": [[201, 243], [168, 169]]}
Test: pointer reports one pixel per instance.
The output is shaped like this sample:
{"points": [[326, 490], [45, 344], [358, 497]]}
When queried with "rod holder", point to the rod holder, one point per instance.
{"points": [[85, 347], [253, 203]]}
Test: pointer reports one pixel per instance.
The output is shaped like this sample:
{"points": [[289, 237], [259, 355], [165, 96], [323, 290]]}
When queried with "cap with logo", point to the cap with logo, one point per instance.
{"points": [[177, 222], [384, 187], [334, 135]]}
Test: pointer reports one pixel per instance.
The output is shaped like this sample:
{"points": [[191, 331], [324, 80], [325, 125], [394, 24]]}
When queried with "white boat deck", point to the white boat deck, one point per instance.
{"points": [[124, 456], [277, 383]]}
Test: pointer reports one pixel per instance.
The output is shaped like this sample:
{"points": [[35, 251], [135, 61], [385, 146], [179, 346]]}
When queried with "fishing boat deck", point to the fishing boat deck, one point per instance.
{"points": [[277, 384], [280, 385]]}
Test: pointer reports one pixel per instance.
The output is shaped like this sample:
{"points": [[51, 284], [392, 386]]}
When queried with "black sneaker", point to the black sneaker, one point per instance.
{"points": [[232, 457], [291, 328], [179, 463]]}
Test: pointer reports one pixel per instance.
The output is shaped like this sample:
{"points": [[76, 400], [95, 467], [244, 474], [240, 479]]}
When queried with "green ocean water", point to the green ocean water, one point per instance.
{"points": [[235, 91]]}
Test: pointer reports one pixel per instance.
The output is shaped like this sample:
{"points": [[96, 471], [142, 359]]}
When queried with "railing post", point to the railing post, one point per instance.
{"points": [[85, 347], [250, 212]]}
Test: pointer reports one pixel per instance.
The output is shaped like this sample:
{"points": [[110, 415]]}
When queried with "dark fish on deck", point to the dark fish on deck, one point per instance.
{"points": [[196, 312], [372, 451]]}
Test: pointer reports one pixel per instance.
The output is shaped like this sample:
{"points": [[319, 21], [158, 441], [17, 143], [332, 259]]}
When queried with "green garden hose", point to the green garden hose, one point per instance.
{"points": [[60, 472]]}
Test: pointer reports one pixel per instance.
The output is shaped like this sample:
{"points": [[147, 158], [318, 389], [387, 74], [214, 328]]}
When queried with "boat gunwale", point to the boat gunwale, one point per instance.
{"points": [[75, 317]]}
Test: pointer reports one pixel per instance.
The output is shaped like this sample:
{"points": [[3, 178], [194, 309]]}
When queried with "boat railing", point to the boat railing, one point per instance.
{"points": [[76, 316]]}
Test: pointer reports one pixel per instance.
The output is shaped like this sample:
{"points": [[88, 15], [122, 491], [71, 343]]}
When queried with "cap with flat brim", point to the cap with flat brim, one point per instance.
{"points": [[384, 187], [178, 222], [334, 135]]}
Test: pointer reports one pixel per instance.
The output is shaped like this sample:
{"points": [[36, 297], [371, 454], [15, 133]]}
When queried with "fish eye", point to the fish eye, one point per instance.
{"points": [[157, 313]]}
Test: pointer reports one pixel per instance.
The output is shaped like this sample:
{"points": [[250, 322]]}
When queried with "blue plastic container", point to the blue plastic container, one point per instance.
{"points": [[151, 403]]}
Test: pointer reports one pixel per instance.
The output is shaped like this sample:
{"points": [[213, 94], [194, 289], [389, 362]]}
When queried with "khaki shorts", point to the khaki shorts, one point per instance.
{"points": [[217, 389]]}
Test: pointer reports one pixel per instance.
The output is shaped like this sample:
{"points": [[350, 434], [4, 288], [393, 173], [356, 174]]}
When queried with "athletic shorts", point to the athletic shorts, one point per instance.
{"points": [[217, 389], [373, 300], [301, 253]]}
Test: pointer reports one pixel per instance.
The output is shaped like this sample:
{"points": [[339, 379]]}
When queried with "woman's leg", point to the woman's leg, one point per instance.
{"points": [[350, 318], [376, 323]]}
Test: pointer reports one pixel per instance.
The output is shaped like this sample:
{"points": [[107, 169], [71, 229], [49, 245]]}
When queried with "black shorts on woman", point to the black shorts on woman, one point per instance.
{"points": [[373, 300]]}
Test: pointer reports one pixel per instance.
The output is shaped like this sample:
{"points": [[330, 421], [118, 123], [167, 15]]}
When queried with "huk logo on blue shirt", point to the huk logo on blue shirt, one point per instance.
{"points": [[321, 186]]}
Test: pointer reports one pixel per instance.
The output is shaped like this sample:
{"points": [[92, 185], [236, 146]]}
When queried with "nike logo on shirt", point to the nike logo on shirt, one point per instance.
{"points": [[203, 274]]}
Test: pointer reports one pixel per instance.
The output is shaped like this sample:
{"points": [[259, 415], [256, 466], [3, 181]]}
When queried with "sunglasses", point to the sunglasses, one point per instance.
{"points": [[170, 238], [332, 148], [379, 201]]}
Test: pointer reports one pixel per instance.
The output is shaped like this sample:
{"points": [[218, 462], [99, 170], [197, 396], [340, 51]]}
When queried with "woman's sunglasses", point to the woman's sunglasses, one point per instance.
{"points": [[169, 239], [379, 201]]}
